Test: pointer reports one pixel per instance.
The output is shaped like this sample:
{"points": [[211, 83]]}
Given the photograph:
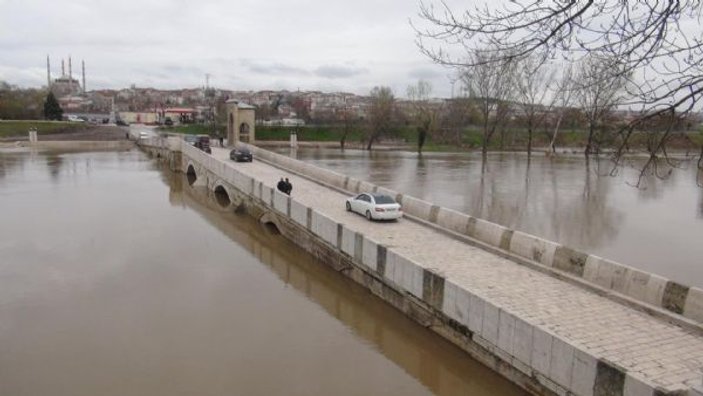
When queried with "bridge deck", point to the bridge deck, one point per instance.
{"points": [[649, 348]]}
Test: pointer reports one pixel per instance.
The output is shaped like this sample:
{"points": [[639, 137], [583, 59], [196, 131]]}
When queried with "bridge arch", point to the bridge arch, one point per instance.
{"points": [[191, 175], [230, 129], [222, 196], [244, 132], [270, 223]]}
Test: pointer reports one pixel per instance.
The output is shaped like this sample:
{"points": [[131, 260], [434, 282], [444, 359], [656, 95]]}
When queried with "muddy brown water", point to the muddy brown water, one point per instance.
{"points": [[657, 227], [117, 278]]}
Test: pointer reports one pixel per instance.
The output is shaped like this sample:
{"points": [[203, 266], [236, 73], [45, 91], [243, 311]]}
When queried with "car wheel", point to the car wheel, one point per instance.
{"points": [[368, 215], [348, 207]]}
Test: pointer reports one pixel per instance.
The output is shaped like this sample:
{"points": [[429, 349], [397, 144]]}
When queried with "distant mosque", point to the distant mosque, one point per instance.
{"points": [[65, 85]]}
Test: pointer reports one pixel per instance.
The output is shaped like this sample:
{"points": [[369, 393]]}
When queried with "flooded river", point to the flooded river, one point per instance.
{"points": [[657, 227], [117, 278]]}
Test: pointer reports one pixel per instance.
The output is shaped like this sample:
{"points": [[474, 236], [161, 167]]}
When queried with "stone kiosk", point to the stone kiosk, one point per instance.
{"points": [[240, 122]]}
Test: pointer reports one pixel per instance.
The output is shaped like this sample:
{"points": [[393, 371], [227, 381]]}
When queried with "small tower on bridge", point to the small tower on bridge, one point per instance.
{"points": [[240, 122]]}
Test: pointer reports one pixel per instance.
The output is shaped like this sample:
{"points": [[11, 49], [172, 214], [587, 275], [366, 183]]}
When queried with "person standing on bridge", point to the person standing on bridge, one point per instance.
{"points": [[289, 187], [281, 186]]}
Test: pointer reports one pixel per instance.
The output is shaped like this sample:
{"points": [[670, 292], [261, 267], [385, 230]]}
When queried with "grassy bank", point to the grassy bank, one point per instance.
{"points": [[20, 128], [195, 129], [469, 138]]}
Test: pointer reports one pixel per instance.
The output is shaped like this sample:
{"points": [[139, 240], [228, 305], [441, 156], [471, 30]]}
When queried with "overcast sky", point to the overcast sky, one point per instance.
{"points": [[244, 44]]}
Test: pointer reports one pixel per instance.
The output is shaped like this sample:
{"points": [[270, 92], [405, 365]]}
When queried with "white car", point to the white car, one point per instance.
{"points": [[375, 206]]}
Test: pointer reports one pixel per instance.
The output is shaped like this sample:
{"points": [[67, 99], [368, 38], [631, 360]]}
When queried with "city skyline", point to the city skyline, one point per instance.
{"points": [[243, 46]]}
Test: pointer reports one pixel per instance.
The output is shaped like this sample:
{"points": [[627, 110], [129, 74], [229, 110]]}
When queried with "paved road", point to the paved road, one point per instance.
{"points": [[646, 347]]}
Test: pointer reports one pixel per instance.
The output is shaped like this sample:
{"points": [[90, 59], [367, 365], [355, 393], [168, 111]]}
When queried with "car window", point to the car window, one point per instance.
{"points": [[383, 199], [360, 197]]}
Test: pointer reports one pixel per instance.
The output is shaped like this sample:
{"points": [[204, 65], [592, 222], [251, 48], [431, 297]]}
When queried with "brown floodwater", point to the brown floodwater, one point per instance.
{"points": [[656, 226], [118, 278]]}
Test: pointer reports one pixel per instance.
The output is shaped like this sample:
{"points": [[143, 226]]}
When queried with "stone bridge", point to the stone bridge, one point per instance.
{"points": [[551, 319]]}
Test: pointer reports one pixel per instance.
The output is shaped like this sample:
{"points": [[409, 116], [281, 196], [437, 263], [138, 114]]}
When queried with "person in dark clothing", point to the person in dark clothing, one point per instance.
{"points": [[222, 144], [281, 186], [289, 186]]}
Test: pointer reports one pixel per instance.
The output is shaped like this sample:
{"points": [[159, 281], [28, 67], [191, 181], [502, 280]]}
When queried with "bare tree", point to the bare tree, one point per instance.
{"points": [[456, 114], [425, 114], [658, 44], [562, 97], [599, 89], [381, 114], [490, 84], [349, 123], [532, 85]]}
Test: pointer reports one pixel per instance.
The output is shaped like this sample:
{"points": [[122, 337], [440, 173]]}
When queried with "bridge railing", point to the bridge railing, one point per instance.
{"points": [[603, 274]]}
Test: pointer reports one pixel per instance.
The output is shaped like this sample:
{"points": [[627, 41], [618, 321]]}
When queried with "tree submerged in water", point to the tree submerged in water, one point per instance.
{"points": [[52, 109]]}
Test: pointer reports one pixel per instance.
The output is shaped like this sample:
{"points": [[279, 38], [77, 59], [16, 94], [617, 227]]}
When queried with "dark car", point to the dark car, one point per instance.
{"points": [[203, 142], [241, 155], [121, 123], [168, 121]]}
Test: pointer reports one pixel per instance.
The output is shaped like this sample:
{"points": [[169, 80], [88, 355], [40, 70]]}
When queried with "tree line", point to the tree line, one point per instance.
{"points": [[28, 104], [647, 56]]}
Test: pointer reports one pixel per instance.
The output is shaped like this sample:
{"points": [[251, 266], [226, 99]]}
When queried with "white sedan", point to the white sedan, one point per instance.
{"points": [[375, 206]]}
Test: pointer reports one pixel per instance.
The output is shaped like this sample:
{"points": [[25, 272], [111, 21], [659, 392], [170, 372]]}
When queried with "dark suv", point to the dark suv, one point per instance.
{"points": [[241, 155], [203, 142]]}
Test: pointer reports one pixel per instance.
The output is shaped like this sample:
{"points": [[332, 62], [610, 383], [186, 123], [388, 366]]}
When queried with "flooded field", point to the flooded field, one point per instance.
{"points": [[656, 227], [117, 278]]}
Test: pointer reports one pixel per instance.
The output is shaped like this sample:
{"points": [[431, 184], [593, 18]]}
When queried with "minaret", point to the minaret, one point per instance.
{"points": [[83, 67], [48, 73], [63, 69], [70, 76]]}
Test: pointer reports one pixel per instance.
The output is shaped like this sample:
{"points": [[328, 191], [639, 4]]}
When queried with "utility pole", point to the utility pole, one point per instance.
{"points": [[210, 100], [48, 74], [83, 67]]}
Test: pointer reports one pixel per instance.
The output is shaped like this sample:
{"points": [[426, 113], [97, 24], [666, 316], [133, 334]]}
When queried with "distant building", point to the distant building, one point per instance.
{"points": [[179, 115], [287, 122], [138, 117]]}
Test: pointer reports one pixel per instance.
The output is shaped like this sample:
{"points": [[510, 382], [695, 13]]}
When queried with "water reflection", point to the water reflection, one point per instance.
{"points": [[562, 198]]}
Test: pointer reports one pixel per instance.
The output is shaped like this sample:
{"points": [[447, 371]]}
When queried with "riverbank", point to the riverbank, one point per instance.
{"points": [[73, 138], [18, 129], [61, 131], [466, 139]]}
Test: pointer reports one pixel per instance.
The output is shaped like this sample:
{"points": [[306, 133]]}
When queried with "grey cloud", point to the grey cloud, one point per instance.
{"points": [[184, 69], [336, 71], [273, 68], [423, 74]]}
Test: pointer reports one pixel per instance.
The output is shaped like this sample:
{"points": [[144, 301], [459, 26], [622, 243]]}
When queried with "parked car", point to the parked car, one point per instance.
{"points": [[241, 155], [121, 123], [168, 121], [73, 118], [203, 142], [143, 135], [375, 206], [190, 139]]}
